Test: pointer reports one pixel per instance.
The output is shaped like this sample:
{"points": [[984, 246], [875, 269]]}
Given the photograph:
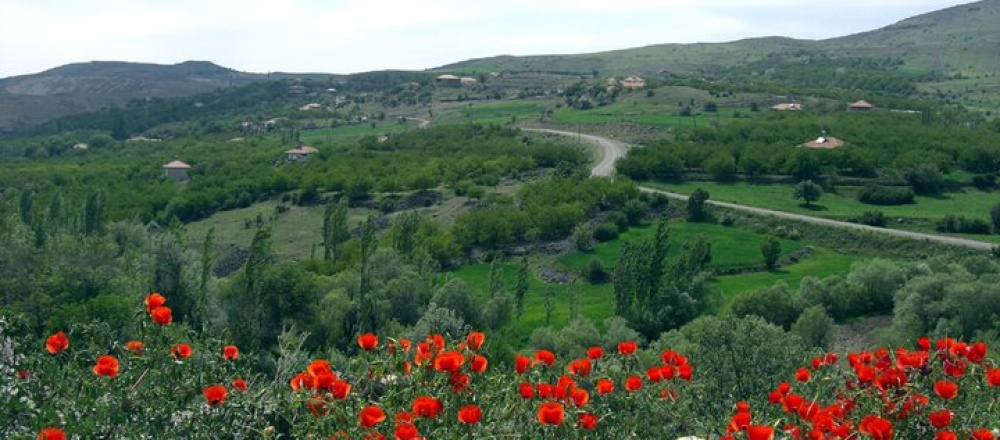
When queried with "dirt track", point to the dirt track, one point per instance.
{"points": [[612, 150]]}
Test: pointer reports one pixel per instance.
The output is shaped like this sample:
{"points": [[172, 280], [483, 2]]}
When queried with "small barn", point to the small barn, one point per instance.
{"points": [[787, 106], [449, 80], [299, 154], [177, 170], [633, 82], [860, 106]]}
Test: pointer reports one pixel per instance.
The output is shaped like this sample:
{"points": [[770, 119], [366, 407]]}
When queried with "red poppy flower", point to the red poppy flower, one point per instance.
{"points": [[521, 364], [240, 384], [946, 389], [215, 395], [802, 375], [760, 432], [982, 434], [181, 351], [368, 341], [478, 364], [470, 414], [595, 353], [580, 367], [945, 435], [51, 434], [667, 372], [580, 397], [450, 361], [230, 352], [977, 352], [302, 381], [458, 382], [340, 389], [475, 340], [685, 372], [586, 421], [740, 421], [627, 348], [551, 413], [633, 383], [924, 343], [877, 427], [154, 300], [318, 367], [993, 377], [57, 343], [654, 374], [544, 390], [406, 431], [546, 357], [526, 390], [371, 416], [426, 406], [374, 435], [22, 374], [162, 315], [940, 419], [604, 386], [135, 347], [954, 368], [106, 366]]}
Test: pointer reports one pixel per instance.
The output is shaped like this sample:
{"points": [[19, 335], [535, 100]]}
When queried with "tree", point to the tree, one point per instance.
{"points": [[521, 287], [495, 279], [995, 217], [808, 191], [815, 327], [335, 230], [696, 211], [771, 250], [94, 213], [404, 233], [722, 166]]}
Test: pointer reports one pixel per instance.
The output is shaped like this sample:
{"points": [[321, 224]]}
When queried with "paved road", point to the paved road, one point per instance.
{"points": [[612, 150]]}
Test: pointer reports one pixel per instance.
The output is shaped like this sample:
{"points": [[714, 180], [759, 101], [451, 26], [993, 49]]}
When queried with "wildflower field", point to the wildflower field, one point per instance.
{"points": [[166, 383]]}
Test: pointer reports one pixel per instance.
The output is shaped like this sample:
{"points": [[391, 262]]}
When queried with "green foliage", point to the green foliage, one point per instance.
{"points": [[582, 240], [778, 305], [458, 296], [808, 191], [925, 179], [961, 224], [696, 211], [995, 217], [771, 251], [521, 287], [814, 327], [722, 166], [605, 232], [595, 272]]}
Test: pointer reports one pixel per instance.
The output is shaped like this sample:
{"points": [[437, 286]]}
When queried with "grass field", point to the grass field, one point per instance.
{"points": [[492, 112], [354, 131], [971, 203], [293, 233], [731, 247]]}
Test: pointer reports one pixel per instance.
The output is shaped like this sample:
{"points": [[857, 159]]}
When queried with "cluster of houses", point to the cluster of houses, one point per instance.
{"points": [[179, 171], [824, 142]]}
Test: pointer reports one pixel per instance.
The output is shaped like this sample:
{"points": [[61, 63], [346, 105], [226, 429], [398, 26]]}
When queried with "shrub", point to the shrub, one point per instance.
{"points": [[885, 195], [605, 232], [962, 225], [595, 272], [870, 218], [985, 182]]}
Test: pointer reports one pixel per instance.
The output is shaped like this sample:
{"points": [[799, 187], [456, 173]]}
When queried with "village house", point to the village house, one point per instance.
{"points": [[633, 82], [787, 106], [177, 170], [860, 106], [824, 142], [311, 106], [299, 154], [468, 81], [449, 80]]}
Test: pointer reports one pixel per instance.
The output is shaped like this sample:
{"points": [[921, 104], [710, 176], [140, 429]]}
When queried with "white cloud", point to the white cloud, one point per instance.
{"points": [[351, 36]]}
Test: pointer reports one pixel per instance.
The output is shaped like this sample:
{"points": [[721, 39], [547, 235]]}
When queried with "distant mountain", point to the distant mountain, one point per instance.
{"points": [[30, 99], [955, 53]]}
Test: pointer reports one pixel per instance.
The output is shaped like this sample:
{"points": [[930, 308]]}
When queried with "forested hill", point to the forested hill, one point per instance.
{"points": [[29, 100]]}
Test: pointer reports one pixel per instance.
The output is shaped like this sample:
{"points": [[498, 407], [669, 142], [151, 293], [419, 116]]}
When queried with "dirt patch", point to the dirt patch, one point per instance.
{"points": [[859, 335]]}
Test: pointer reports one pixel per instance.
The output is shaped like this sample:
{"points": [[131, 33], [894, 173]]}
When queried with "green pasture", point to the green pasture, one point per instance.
{"points": [[843, 204], [353, 131], [731, 247]]}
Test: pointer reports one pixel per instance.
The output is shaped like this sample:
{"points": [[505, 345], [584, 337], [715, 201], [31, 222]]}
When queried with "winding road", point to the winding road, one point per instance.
{"points": [[611, 150]]}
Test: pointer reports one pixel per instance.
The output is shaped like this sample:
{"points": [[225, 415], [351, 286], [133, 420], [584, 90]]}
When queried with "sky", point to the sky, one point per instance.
{"points": [[349, 36]]}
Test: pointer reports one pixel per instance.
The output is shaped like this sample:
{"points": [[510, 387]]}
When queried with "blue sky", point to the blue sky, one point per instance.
{"points": [[339, 36]]}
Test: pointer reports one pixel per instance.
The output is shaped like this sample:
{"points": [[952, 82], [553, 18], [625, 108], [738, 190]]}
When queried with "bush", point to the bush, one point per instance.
{"points": [[885, 195], [870, 218], [595, 272], [619, 219], [985, 182], [605, 232], [962, 225], [727, 219]]}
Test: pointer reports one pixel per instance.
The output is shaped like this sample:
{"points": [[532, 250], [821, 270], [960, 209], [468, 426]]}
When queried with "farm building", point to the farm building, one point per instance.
{"points": [[824, 143], [787, 106], [177, 170], [449, 80], [299, 154], [860, 106], [633, 82]]}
